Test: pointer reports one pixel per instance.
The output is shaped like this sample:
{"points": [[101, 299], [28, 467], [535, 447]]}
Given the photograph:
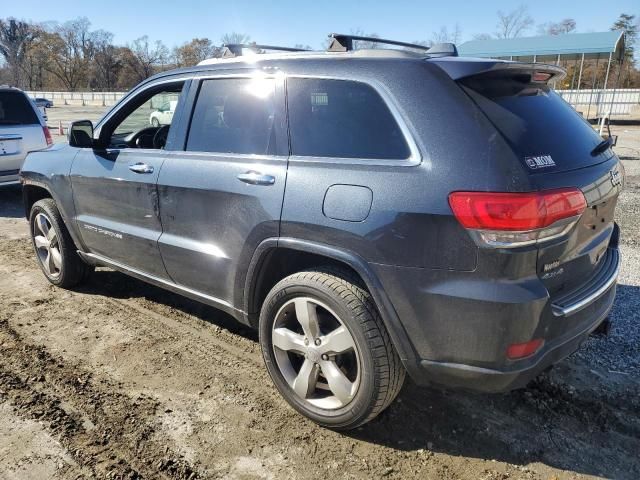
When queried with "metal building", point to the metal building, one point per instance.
{"points": [[570, 50]]}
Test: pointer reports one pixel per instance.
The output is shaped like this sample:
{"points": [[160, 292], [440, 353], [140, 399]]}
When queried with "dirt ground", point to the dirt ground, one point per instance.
{"points": [[119, 379]]}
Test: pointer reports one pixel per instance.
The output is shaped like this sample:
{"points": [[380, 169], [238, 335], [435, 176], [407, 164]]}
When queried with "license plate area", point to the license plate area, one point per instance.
{"points": [[9, 146]]}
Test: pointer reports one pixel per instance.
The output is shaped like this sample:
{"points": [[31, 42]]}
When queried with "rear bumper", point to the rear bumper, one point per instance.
{"points": [[591, 291], [9, 176], [463, 332], [521, 372]]}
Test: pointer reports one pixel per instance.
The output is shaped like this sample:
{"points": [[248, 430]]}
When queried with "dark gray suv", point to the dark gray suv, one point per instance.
{"points": [[371, 212]]}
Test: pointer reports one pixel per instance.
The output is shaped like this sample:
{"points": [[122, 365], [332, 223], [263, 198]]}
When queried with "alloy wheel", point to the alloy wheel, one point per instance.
{"points": [[316, 353], [47, 245]]}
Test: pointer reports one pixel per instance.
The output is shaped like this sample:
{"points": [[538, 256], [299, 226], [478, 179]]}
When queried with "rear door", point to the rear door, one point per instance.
{"points": [[221, 192]]}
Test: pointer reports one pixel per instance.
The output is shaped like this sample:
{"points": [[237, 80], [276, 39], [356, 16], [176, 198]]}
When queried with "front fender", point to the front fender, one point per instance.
{"points": [[49, 170]]}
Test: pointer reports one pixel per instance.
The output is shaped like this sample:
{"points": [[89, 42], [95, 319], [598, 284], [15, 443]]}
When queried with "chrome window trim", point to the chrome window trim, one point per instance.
{"points": [[194, 76], [415, 156], [227, 155]]}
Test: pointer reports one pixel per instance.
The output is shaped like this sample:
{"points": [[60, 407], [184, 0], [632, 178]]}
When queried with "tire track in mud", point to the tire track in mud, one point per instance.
{"points": [[238, 370], [204, 338], [103, 430], [184, 322], [236, 362]]}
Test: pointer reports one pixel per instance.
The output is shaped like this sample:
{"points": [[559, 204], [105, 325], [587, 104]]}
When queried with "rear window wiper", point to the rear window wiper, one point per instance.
{"points": [[9, 122], [602, 146]]}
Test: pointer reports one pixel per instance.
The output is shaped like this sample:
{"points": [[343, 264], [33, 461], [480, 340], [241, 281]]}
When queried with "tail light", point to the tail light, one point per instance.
{"points": [[522, 350], [47, 136], [510, 220], [542, 77]]}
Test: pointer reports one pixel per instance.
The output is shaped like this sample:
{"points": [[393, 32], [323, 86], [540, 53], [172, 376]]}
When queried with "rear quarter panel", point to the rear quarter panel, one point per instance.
{"points": [[410, 222]]}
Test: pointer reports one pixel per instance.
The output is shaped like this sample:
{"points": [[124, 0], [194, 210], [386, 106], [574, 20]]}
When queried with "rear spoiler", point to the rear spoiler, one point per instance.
{"points": [[472, 67]]}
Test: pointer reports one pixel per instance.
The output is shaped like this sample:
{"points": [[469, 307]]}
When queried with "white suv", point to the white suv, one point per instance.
{"points": [[22, 130], [164, 114]]}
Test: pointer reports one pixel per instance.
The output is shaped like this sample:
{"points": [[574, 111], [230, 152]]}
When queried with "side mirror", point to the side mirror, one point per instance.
{"points": [[81, 134]]}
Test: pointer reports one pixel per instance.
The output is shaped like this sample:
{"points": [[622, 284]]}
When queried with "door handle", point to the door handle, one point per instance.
{"points": [[256, 178], [141, 168]]}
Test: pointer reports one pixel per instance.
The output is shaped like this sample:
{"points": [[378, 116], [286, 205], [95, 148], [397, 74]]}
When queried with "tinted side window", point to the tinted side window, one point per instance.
{"points": [[234, 116], [15, 109], [339, 118]]}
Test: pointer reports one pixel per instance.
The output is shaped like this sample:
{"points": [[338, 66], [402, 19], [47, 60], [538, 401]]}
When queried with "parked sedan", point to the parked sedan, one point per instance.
{"points": [[43, 102]]}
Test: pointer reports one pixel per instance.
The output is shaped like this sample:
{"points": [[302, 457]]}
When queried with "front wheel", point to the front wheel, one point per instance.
{"points": [[55, 251], [327, 350]]}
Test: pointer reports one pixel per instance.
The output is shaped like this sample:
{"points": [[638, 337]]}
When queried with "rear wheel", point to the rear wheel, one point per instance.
{"points": [[327, 350], [55, 250]]}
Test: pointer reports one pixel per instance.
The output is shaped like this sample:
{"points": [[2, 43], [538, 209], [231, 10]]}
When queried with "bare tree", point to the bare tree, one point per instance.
{"points": [[107, 61], [566, 25], [234, 37], [34, 66], [16, 37], [483, 36], [514, 23], [145, 57], [365, 44], [630, 25], [70, 50], [194, 52], [446, 36]]}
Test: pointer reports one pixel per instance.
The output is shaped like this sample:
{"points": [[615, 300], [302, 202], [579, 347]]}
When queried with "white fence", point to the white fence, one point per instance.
{"points": [[598, 103], [591, 103], [105, 99]]}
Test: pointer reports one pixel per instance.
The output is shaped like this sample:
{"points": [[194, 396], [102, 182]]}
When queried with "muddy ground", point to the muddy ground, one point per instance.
{"points": [[119, 379]]}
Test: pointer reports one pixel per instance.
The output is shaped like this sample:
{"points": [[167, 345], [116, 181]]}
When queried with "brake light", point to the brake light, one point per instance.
{"points": [[514, 219], [540, 77], [522, 350], [47, 136]]}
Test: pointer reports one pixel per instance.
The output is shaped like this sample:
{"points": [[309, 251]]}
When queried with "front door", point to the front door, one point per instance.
{"points": [[222, 195], [114, 188]]}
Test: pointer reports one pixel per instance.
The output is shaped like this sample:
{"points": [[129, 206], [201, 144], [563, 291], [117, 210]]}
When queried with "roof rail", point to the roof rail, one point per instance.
{"points": [[236, 49], [341, 42]]}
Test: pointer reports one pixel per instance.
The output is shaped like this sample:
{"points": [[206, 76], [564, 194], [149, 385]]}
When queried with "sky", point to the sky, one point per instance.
{"points": [[287, 22]]}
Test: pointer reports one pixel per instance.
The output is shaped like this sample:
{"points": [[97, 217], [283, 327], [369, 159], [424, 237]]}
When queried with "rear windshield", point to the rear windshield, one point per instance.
{"points": [[15, 109], [543, 130]]}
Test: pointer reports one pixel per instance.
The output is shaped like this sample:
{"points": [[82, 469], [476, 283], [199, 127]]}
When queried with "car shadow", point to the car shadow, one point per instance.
{"points": [[118, 285], [11, 201], [544, 423]]}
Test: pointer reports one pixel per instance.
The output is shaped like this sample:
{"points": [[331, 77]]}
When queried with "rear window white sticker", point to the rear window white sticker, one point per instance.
{"points": [[540, 161]]}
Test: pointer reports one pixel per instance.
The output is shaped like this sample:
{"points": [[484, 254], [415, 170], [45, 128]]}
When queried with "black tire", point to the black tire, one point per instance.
{"points": [[72, 270], [381, 372]]}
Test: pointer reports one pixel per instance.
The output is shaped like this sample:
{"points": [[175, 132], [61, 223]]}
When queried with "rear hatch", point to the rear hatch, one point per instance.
{"points": [[20, 131], [559, 149]]}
